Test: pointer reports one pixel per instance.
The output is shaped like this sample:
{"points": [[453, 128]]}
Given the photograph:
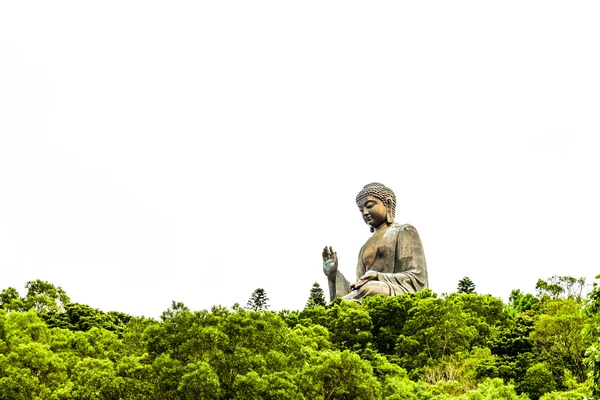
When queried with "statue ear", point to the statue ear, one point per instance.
{"points": [[389, 216]]}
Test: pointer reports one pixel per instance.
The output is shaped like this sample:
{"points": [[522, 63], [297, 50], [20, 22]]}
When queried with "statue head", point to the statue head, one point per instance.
{"points": [[377, 191]]}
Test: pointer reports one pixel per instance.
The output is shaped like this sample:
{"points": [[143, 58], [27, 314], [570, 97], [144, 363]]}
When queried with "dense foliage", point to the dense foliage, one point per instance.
{"points": [[416, 346]]}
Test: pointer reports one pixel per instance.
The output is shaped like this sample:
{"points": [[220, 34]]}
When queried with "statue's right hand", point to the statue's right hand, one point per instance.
{"points": [[330, 262]]}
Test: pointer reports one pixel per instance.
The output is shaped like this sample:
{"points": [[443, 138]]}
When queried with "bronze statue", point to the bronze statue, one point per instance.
{"points": [[391, 262]]}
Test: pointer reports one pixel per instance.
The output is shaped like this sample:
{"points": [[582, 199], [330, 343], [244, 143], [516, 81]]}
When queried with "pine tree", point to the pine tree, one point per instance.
{"points": [[317, 297], [466, 285], [258, 300]]}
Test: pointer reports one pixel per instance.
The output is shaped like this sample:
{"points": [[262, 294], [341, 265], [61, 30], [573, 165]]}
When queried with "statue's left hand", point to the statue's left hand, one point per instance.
{"points": [[369, 276]]}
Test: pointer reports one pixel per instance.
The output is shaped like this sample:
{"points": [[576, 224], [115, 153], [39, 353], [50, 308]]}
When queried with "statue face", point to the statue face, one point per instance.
{"points": [[373, 211]]}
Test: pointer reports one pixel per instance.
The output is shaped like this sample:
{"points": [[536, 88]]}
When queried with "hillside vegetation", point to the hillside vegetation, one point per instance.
{"points": [[417, 346]]}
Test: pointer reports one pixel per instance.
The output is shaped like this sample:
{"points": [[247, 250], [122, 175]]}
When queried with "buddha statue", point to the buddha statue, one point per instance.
{"points": [[390, 263]]}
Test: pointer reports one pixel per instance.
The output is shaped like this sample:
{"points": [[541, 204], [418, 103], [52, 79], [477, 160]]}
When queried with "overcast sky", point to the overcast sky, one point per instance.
{"points": [[194, 151]]}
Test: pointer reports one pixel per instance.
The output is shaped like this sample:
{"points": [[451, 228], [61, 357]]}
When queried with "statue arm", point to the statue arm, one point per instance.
{"points": [[410, 269], [338, 286]]}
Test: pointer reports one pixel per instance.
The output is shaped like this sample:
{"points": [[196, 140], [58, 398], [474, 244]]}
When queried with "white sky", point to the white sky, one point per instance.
{"points": [[194, 151]]}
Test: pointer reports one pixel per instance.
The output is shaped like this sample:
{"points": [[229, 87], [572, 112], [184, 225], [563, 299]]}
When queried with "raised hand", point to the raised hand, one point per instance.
{"points": [[330, 262]]}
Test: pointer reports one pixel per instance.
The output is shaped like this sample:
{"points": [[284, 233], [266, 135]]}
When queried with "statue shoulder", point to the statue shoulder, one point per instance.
{"points": [[407, 231], [403, 227]]}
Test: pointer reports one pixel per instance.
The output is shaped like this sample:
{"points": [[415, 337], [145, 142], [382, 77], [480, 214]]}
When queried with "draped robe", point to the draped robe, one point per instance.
{"points": [[399, 263]]}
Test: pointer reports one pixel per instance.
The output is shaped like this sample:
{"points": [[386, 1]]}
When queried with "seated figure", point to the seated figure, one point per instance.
{"points": [[391, 262]]}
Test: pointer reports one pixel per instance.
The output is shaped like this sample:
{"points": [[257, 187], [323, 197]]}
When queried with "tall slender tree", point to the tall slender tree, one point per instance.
{"points": [[258, 300], [317, 296], [466, 285]]}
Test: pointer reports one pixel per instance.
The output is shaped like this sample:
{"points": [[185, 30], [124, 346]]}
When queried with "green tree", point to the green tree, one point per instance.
{"points": [[561, 286], [199, 382], [17, 383], [570, 395], [538, 380], [39, 361], [487, 314], [94, 379], [317, 297], [167, 374], [11, 300], [493, 389], [520, 302], [138, 377], [592, 335], [434, 330], [557, 337], [466, 285], [44, 297], [274, 386], [258, 301], [338, 375], [25, 327], [512, 347], [349, 325], [389, 314]]}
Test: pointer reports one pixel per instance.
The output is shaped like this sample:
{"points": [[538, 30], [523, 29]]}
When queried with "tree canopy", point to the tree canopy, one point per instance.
{"points": [[415, 346]]}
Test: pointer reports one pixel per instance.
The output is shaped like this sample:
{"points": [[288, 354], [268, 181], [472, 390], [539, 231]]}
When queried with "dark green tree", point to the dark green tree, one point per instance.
{"points": [[81, 317], [466, 285], [258, 301], [317, 297]]}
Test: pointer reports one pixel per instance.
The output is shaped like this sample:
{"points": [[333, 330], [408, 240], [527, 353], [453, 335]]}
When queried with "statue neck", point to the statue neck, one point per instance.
{"points": [[383, 226]]}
